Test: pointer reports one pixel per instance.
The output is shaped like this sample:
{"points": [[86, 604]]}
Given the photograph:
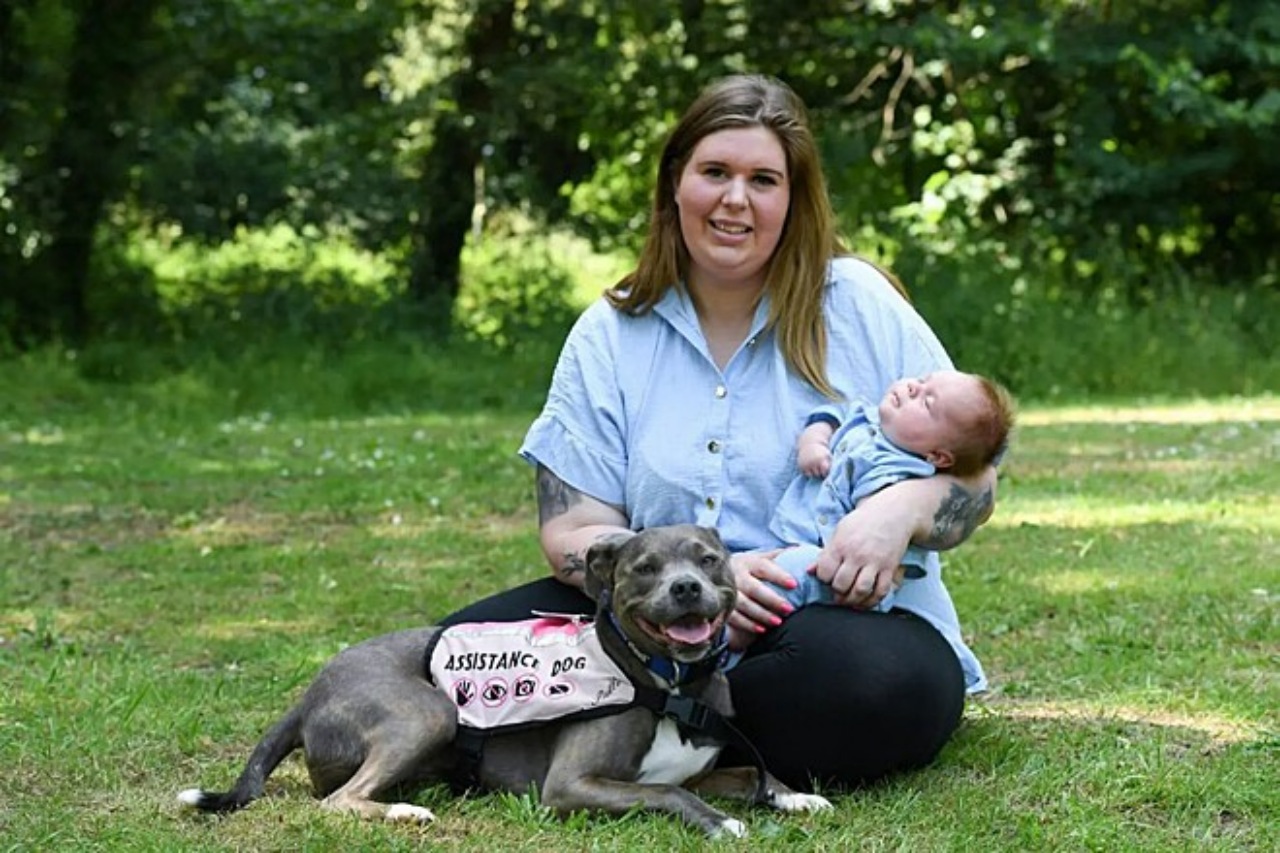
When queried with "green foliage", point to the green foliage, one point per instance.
{"points": [[1022, 317], [255, 134], [1119, 151], [268, 282], [527, 284]]}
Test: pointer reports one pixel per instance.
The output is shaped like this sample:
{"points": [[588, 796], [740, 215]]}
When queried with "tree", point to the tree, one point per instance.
{"points": [[45, 288]]}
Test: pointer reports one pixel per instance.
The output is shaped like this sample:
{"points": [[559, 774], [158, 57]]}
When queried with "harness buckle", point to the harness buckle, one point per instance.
{"points": [[688, 711]]}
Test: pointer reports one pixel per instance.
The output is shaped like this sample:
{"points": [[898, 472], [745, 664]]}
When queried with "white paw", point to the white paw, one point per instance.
{"points": [[730, 826], [406, 813], [793, 802]]}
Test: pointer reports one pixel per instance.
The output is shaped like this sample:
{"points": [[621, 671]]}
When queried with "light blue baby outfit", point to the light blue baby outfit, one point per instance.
{"points": [[863, 461]]}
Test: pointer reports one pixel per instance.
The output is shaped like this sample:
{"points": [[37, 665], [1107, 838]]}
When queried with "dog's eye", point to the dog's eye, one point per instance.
{"points": [[645, 568], [710, 560]]}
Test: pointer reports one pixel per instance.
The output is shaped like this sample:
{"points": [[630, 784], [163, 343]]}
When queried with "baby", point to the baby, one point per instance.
{"points": [[946, 421]]}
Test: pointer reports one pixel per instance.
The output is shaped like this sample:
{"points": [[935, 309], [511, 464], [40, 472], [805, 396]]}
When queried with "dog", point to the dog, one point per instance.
{"points": [[374, 718]]}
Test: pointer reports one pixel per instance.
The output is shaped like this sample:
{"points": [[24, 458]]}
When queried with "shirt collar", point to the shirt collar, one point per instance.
{"points": [[676, 307]]}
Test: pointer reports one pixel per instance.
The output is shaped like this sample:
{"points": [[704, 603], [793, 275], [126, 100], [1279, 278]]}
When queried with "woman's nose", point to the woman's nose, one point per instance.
{"points": [[735, 195]]}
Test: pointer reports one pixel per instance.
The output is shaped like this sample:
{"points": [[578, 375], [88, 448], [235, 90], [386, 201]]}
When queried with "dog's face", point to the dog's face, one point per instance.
{"points": [[671, 588]]}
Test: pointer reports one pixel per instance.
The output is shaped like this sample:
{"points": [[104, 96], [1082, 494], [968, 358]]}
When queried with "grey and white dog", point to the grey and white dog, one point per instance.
{"points": [[373, 720]]}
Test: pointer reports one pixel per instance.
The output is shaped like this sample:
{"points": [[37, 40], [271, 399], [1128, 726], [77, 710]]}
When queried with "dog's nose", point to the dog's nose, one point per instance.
{"points": [[686, 590]]}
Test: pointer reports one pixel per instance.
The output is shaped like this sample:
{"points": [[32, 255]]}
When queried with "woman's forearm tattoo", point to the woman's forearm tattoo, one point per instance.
{"points": [[573, 565], [554, 497], [959, 514]]}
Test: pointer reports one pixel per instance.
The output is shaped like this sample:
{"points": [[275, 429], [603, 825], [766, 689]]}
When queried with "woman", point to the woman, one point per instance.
{"points": [[678, 398]]}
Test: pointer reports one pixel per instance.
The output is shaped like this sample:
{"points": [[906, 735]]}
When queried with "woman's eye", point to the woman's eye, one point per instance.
{"points": [[766, 180]]}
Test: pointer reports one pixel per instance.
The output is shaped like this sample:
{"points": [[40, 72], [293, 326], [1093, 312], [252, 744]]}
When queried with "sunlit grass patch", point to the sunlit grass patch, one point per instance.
{"points": [[1261, 515], [1253, 411]]}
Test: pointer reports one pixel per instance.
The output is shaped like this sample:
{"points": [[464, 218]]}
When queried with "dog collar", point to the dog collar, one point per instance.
{"points": [[673, 672]]}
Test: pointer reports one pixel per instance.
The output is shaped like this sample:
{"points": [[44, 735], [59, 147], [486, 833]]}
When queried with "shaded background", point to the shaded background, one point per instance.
{"points": [[1080, 196]]}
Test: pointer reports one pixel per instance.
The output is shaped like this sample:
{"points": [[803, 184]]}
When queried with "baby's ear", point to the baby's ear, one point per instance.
{"points": [[602, 558], [941, 459]]}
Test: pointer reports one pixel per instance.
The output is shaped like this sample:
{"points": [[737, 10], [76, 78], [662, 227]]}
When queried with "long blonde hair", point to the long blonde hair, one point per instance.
{"points": [[798, 269]]}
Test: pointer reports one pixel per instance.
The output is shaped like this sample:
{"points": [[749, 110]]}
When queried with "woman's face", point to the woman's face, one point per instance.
{"points": [[733, 195]]}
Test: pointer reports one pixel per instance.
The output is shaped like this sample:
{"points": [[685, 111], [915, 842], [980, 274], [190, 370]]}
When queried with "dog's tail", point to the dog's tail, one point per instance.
{"points": [[283, 738]]}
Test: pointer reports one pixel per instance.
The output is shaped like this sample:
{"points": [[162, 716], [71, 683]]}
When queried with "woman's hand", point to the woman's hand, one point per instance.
{"points": [[759, 607], [862, 562]]}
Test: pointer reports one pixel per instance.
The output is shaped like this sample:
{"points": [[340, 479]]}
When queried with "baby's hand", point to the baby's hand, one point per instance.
{"points": [[814, 459]]}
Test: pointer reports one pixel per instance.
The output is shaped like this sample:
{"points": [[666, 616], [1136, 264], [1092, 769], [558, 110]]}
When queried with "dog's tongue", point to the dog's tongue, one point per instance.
{"points": [[691, 633]]}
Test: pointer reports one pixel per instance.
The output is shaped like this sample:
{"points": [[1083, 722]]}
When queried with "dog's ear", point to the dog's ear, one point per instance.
{"points": [[712, 538], [713, 534], [602, 556]]}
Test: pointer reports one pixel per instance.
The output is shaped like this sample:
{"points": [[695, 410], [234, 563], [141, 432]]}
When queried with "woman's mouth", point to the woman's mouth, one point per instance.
{"points": [[736, 229]]}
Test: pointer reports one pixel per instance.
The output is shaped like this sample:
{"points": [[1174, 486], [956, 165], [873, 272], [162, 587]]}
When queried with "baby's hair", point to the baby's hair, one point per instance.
{"points": [[987, 437]]}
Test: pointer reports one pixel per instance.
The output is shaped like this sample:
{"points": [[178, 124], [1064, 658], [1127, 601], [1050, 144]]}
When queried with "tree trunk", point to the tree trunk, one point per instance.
{"points": [[82, 168], [448, 174]]}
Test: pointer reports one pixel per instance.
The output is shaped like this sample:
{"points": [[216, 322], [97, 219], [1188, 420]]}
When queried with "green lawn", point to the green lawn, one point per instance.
{"points": [[171, 575]]}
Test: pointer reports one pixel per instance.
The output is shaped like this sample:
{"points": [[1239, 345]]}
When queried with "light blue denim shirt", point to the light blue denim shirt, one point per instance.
{"points": [[640, 417]]}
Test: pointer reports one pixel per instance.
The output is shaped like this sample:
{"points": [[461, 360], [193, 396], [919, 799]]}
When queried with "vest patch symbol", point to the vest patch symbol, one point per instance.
{"points": [[464, 690], [524, 688], [495, 692], [558, 689]]}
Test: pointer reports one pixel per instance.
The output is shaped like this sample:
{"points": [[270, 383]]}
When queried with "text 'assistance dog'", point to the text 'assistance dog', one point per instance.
{"points": [[407, 707]]}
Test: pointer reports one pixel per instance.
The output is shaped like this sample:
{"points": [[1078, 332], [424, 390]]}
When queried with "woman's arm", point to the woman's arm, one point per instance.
{"points": [[861, 561], [569, 522]]}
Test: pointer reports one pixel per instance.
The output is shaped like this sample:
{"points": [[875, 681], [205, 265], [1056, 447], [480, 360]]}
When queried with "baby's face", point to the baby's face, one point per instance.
{"points": [[926, 415]]}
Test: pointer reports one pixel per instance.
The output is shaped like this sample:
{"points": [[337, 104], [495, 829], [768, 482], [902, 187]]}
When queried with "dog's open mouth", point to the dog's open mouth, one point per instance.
{"points": [[691, 630]]}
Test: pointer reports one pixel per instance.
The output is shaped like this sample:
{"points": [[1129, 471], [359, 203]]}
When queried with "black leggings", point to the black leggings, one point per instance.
{"points": [[837, 696]]}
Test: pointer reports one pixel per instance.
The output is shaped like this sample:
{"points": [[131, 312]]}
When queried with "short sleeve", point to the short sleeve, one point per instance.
{"points": [[580, 433], [876, 336]]}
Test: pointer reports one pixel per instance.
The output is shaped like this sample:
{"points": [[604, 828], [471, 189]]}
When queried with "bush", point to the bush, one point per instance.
{"points": [[515, 288], [1036, 326]]}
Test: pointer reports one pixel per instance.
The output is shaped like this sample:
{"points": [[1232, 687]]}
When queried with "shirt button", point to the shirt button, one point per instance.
{"points": [[751, 342], [711, 503], [721, 392], [822, 519], [713, 446]]}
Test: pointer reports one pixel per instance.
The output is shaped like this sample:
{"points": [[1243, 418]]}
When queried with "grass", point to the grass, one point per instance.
{"points": [[179, 554]]}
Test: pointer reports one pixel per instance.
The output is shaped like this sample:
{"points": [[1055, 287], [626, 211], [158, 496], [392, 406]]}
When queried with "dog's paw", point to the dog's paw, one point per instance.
{"points": [[791, 801], [730, 828], [407, 813]]}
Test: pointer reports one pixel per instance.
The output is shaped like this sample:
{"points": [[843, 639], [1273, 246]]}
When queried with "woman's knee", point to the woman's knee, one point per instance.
{"points": [[846, 697]]}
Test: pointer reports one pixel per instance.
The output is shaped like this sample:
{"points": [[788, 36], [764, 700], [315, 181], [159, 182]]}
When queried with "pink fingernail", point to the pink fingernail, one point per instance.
{"points": [[775, 621], [759, 629], [786, 606]]}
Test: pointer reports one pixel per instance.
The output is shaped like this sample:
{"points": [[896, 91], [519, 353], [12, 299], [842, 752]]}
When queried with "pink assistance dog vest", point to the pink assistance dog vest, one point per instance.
{"points": [[504, 675]]}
